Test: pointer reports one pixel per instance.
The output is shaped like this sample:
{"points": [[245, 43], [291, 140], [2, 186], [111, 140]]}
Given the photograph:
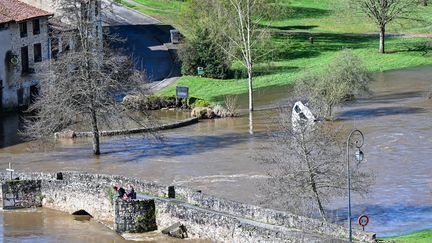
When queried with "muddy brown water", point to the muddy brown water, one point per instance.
{"points": [[45, 225], [215, 156]]}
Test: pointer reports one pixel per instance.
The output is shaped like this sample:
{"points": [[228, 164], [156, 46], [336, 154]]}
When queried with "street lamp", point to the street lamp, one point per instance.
{"points": [[359, 157]]}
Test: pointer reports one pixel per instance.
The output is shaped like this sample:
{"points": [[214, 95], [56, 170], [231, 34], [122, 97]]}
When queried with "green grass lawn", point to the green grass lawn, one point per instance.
{"points": [[325, 16], [332, 16], [163, 10], [424, 236], [295, 54]]}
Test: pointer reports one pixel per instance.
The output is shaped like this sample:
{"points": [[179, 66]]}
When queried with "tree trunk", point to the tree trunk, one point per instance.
{"points": [[313, 185], [250, 75], [382, 39], [95, 130], [320, 206]]}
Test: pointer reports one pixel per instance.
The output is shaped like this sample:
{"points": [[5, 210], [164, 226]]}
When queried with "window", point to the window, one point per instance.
{"points": [[23, 29], [36, 27], [37, 51], [24, 60], [20, 96]]}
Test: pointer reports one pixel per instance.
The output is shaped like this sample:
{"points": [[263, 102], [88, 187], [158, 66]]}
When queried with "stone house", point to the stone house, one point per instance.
{"points": [[24, 43], [28, 36], [60, 24]]}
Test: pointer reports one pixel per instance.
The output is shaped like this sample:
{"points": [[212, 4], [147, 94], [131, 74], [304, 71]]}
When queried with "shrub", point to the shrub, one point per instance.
{"points": [[153, 102], [338, 82], [201, 103], [203, 51]]}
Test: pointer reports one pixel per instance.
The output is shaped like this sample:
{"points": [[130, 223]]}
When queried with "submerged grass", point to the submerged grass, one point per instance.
{"points": [[330, 21], [294, 54]]}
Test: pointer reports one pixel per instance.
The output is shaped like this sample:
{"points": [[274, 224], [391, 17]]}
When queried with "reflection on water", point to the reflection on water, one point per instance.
{"points": [[45, 225], [215, 156], [9, 125]]}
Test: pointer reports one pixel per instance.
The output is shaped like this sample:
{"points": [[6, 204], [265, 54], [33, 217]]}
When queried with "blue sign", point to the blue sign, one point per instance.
{"points": [[182, 92]]}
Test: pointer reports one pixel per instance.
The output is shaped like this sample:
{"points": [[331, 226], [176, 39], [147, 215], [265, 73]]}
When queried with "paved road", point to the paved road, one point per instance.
{"points": [[145, 39]]}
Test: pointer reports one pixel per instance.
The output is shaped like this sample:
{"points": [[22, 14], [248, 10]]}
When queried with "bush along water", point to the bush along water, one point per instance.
{"points": [[153, 102]]}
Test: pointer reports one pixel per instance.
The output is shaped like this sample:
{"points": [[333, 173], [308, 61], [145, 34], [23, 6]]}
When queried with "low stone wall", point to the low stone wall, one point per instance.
{"points": [[21, 194], [268, 216], [204, 215], [220, 227], [177, 124], [135, 216]]}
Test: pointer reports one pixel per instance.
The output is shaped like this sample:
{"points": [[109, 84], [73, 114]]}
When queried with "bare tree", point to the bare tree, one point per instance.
{"points": [[383, 12], [80, 86], [305, 167], [337, 82], [231, 103], [240, 27]]}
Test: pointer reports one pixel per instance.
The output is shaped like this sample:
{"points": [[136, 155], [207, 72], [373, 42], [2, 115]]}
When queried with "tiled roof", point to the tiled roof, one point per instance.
{"points": [[14, 10]]}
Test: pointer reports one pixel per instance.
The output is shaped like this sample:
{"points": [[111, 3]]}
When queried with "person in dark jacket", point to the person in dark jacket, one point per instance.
{"points": [[131, 192], [120, 190]]}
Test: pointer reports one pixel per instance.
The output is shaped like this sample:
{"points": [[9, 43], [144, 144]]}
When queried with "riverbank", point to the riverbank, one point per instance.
{"points": [[424, 236], [172, 125], [295, 54], [292, 52]]}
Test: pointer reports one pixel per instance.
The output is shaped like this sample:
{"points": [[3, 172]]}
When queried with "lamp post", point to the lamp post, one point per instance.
{"points": [[359, 156]]}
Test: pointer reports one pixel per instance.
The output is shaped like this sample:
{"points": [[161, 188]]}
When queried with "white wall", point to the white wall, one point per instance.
{"points": [[13, 80], [47, 5], [5, 45]]}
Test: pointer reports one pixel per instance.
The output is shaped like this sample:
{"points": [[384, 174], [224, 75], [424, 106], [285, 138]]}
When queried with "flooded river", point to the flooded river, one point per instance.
{"points": [[45, 225], [215, 156]]}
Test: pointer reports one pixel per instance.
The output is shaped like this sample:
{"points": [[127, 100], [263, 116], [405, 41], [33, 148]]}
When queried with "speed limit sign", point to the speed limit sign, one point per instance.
{"points": [[363, 220]]}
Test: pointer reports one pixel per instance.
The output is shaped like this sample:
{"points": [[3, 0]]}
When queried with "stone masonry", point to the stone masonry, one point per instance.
{"points": [[135, 216], [204, 216], [21, 194]]}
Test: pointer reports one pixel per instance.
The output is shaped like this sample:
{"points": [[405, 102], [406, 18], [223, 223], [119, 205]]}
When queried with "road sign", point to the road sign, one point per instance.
{"points": [[200, 71], [175, 36], [363, 220], [182, 92]]}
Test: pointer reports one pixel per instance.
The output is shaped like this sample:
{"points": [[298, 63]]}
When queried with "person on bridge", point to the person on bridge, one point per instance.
{"points": [[131, 194], [121, 191]]}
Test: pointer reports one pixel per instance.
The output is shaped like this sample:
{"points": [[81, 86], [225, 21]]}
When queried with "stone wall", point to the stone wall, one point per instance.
{"points": [[205, 216], [135, 216], [21, 194], [221, 227], [11, 74], [173, 125]]}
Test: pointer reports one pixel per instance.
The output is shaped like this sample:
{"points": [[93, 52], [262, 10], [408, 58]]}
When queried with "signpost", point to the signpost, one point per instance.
{"points": [[181, 92], [200, 71], [363, 220], [11, 170], [175, 36]]}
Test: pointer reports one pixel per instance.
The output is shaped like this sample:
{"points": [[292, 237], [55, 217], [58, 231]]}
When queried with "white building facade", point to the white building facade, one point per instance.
{"points": [[28, 36], [24, 43]]}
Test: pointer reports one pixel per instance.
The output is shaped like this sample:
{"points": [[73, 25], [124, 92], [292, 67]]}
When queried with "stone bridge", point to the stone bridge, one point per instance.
{"points": [[204, 216]]}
